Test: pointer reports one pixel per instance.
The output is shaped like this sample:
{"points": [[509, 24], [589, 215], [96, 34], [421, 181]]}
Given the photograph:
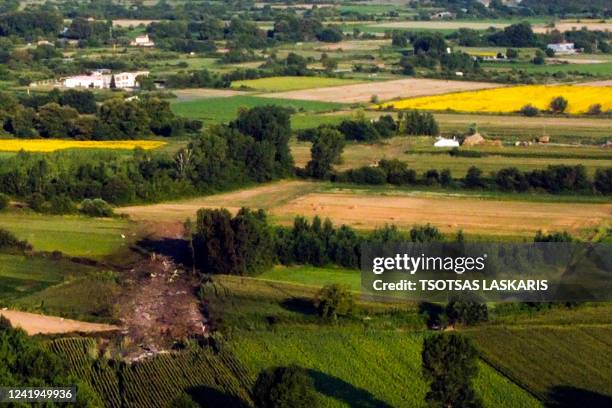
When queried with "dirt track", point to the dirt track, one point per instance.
{"points": [[387, 90], [34, 323]]}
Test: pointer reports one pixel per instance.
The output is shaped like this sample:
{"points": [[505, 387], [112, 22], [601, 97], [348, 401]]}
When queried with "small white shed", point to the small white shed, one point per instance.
{"points": [[443, 142]]}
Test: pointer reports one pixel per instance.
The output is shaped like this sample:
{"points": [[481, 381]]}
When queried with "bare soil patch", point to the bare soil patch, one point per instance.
{"points": [[34, 323], [607, 82], [387, 90], [159, 307]]}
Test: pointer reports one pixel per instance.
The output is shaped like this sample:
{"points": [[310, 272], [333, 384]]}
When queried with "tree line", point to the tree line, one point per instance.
{"points": [[247, 244], [251, 149], [75, 114]]}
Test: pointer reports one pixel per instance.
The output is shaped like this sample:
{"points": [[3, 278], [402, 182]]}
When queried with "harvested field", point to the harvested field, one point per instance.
{"points": [[575, 25], [440, 25], [199, 93], [447, 212], [367, 209], [123, 22], [34, 323], [363, 45], [265, 196], [387, 90]]}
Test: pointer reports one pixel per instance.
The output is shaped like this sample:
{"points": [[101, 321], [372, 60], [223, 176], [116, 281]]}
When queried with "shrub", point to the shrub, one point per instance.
{"points": [[96, 208], [4, 201], [8, 241], [333, 301], [61, 204], [595, 109], [468, 313], [473, 178], [284, 387], [529, 110], [558, 105]]}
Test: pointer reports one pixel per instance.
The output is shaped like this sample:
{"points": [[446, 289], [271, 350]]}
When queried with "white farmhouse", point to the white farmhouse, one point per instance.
{"points": [[443, 142], [85, 81], [562, 48], [100, 80], [142, 41]]}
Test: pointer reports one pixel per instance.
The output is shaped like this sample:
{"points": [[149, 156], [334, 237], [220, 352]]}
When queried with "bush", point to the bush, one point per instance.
{"points": [[8, 241], [468, 313], [61, 204], [4, 201], [96, 208], [333, 301], [473, 178], [595, 109], [558, 105], [529, 110], [284, 387]]}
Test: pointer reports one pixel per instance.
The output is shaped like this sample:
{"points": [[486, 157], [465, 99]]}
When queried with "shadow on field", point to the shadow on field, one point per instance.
{"points": [[339, 389], [177, 249], [211, 397], [299, 305], [571, 397]]}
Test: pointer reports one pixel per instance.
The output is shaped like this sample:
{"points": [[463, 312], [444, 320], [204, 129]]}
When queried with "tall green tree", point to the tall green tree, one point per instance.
{"points": [[450, 365], [326, 151]]}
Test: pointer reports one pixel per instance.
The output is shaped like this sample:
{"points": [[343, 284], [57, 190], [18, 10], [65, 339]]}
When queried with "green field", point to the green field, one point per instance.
{"points": [[221, 110], [363, 364], [600, 69], [207, 376], [313, 276], [72, 235], [279, 84], [21, 276], [420, 155], [552, 361]]}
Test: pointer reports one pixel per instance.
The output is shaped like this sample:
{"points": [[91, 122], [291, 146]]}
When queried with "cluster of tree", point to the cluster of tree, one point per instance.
{"points": [[30, 24], [197, 79], [522, 35], [27, 363], [74, 114], [320, 243], [90, 33], [253, 148], [554, 179], [361, 129], [240, 245], [290, 27], [558, 105], [246, 245], [431, 51]]}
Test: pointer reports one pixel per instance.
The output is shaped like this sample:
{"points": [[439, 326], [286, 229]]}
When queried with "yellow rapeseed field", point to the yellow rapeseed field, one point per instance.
{"points": [[512, 99], [51, 145]]}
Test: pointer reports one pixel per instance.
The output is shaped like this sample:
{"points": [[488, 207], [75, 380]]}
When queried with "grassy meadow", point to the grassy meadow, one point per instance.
{"points": [[288, 83], [221, 110], [73, 235]]}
